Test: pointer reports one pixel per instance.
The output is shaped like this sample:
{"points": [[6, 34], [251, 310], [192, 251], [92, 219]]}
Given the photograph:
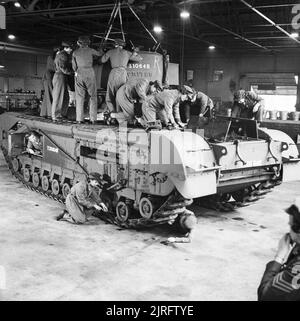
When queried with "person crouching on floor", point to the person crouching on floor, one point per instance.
{"points": [[83, 201]]}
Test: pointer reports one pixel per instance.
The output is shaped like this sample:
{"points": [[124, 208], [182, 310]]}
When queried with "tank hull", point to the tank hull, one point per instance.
{"points": [[156, 169]]}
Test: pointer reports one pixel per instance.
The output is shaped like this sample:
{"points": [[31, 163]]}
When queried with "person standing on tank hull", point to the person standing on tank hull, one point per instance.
{"points": [[119, 59], [85, 79], [46, 107], [60, 92]]}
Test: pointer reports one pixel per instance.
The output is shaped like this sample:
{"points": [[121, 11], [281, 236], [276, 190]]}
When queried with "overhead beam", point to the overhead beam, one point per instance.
{"points": [[269, 20], [222, 28], [5, 46], [62, 10]]}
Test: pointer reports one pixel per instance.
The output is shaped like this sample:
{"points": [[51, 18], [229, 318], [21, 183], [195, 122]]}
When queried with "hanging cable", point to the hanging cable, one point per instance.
{"points": [[121, 21], [111, 21], [137, 17]]}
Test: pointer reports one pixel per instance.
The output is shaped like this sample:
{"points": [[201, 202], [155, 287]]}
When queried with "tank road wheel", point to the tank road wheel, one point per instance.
{"points": [[15, 164], [55, 187], [239, 196], [225, 197], [123, 211], [26, 175], [35, 179], [65, 190], [146, 208], [45, 183]]}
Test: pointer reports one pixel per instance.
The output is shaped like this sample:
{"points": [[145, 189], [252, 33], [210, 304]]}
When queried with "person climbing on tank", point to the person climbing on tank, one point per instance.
{"points": [[119, 58], [165, 106], [247, 104], [83, 200], [85, 79], [46, 107], [198, 104], [34, 144], [63, 68], [132, 94], [281, 279]]}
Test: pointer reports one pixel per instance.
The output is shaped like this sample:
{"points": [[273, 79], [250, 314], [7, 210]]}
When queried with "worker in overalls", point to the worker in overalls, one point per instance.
{"points": [[198, 104], [34, 144], [165, 106], [281, 280], [60, 93], [83, 201], [119, 58], [85, 79], [132, 94], [248, 104], [46, 107]]}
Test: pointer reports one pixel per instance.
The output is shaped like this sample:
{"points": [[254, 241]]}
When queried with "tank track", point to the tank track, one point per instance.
{"points": [[167, 213], [242, 198]]}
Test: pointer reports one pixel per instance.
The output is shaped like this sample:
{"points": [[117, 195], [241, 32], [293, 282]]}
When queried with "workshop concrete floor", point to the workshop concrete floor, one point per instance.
{"points": [[48, 260]]}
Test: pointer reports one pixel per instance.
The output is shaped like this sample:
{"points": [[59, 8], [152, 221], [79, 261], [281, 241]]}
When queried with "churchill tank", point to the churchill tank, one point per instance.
{"points": [[252, 160], [151, 177], [147, 178]]}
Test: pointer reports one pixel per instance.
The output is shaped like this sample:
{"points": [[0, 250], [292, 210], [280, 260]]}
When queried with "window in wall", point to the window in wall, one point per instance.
{"points": [[281, 98], [218, 75]]}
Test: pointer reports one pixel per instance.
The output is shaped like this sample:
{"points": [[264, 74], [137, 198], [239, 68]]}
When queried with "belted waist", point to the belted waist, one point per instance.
{"points": [[119, 67], [90, 67]]}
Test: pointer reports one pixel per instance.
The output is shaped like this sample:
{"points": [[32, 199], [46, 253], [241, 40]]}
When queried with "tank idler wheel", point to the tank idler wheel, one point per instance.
{"points": [[65, 190], [225, 197], [35, 179], [15, 165], [146, 208], [55, 187], [123, 211], [26, 175], [45, 183]]}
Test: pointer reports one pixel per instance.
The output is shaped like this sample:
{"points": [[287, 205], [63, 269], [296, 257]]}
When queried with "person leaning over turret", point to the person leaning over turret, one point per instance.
{"points": [[165, 105], [85, 79], [83, 201], [132, 94], [198, 104], [119, 58], [247, 104]]}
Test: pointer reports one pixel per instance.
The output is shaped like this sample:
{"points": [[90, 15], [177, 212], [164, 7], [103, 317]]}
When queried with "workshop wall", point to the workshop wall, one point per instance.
{"points": [[208, 69], [22, 70]]}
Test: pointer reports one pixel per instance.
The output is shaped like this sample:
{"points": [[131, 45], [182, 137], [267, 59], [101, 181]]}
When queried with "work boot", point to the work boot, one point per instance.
{"points": [[60, 216]]}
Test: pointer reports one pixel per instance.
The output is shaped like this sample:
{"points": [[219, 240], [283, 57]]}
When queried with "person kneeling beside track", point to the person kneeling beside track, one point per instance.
{"points": [[83, 200]]}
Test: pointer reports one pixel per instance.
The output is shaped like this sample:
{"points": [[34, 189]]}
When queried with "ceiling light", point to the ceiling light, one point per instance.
{"points": [[211, 47], [11, 37], [17, 4], [184, 14], [1, 66], [294, 35], [157, 29]]}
